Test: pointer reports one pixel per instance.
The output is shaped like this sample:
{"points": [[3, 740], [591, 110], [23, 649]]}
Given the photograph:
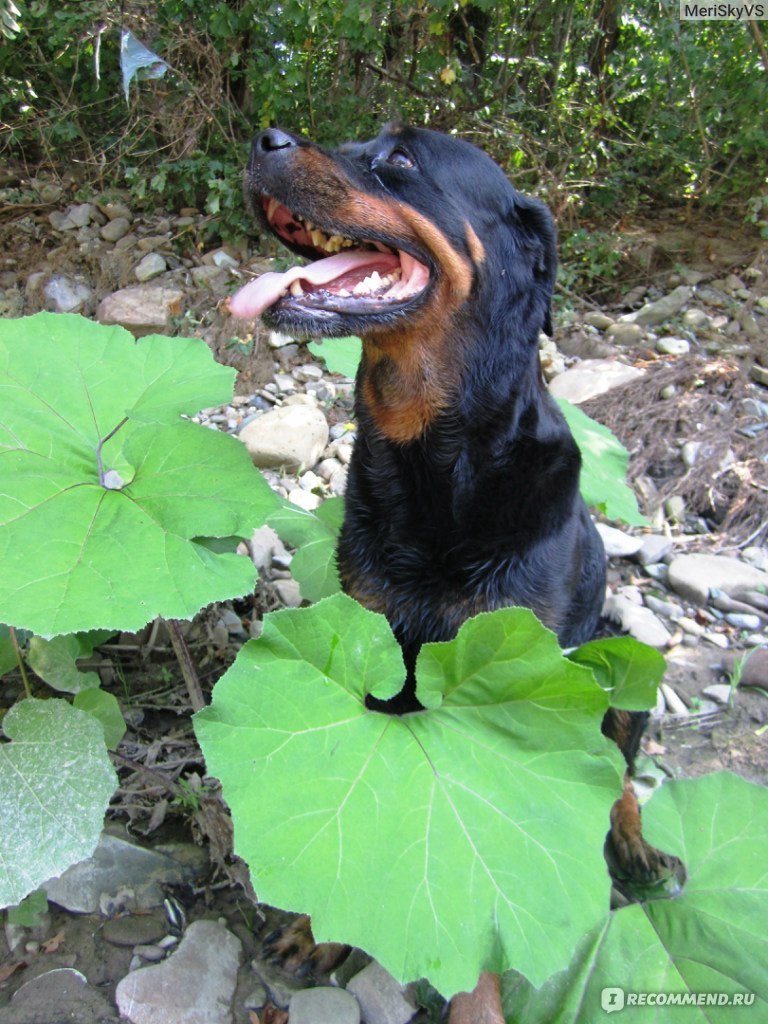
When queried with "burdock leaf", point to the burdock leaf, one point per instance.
{"points": [[81, 407], [603, 467], [701, 958], [463, 838], [55, 783]]}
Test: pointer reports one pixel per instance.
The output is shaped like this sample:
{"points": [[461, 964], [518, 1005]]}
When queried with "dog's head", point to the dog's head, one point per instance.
{"points": [[400, 230]]}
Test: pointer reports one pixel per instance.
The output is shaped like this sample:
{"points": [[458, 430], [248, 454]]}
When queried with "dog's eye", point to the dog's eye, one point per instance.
{"points": [[399, 158]]}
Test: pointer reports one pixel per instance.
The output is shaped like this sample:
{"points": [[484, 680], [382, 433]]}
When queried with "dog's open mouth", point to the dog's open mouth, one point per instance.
{"points": [[348, 275]]}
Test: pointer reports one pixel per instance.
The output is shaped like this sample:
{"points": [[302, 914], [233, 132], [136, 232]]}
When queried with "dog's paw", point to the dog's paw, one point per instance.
{"points": [[293, 947], [639, 870]]}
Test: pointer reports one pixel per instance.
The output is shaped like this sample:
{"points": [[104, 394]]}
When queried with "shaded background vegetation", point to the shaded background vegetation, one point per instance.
{"points": [[603, 107]]}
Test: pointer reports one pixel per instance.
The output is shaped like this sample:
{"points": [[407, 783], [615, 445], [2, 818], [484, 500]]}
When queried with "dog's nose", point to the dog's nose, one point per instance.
{"points": [[272, 139]]}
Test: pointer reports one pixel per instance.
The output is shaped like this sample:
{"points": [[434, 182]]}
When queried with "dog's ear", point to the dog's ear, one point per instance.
{"points": [[541, 237], [535, 235]]}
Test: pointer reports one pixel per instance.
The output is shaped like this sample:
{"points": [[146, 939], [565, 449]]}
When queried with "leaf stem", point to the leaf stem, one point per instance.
{"points": [[20, 660], [101, 444], [188, 670]]}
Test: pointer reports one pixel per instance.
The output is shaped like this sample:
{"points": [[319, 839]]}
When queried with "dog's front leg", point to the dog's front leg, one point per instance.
{"points": [[481, 1006]]}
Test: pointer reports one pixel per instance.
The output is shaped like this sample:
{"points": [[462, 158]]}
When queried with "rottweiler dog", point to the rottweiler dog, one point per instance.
{"points": [[463, 489]]}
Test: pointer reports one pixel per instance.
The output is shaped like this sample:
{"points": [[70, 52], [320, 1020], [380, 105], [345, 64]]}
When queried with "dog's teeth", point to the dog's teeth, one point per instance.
{"points": [[344, 293], [272, 205], [317, 236], [296, 288]]}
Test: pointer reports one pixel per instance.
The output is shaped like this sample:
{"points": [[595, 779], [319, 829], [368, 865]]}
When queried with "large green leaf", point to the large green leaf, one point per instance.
{"points": [[710, 940], [55, 783], [340, 355], [603, 467], [457, 839], [631, 671], [55, 660], [105, 708], [314, 535], [108, 498]]}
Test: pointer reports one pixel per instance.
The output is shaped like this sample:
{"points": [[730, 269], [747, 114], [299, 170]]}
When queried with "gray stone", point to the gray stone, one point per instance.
{"points": [[292, 436], [693, 576], [149, 267], [208, 277], [324, 1006], [66, 294], [712, 297], [690, 626], [195, 985], [759, 374], [671, 346], [757, 556], [80, 215], [625, 333], [592, 377], [599, 320], [697, 319], [77, 216], [743, 620], [638, 621], [672, 701], [133, 876], [116, 210], [304, 499], [654, 548], [289, 593], [719, 692], [149, 952], [142, 309], [115, 229], [691, 277], [618, 544], [262, 546], [152, 243], [657, 312], [381, 997], [674, 508], [752, 669], [666, 608], [62, 994], [338, 482]]}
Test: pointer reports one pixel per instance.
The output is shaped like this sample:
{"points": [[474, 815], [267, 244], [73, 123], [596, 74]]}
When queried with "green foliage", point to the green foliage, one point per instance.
{"points": [[55, 660], [105, 709], [314, 534], [590, 259], [603, 115], [630, 671], [55, 781], [30, 912], [603, 467], [500, 791], [340, 355], [108, 498], [711, 939], [7, 650], [114, 508]]}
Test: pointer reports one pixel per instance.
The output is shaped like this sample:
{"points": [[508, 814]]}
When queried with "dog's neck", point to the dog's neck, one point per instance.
{"points": [[410, 382]]}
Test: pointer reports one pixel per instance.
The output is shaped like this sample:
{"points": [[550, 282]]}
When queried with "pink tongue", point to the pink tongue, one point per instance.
{"points": [[258, 295]]}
